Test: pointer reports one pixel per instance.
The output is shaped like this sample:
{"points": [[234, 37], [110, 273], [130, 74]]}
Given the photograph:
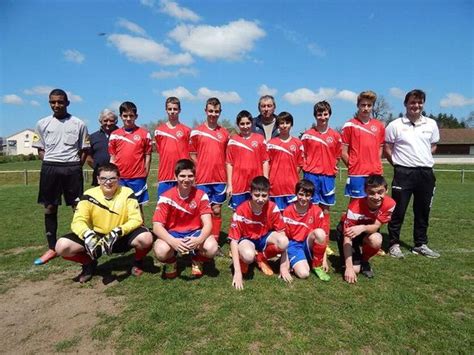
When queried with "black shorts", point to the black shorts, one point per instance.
{"points": [[122, 245], [58, 179]]}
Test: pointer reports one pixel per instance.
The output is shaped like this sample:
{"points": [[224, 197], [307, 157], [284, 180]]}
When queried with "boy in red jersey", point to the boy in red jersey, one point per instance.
{"points": [[304, 222], [257, 226], [247, 158], [130, 149], [182, 223], [359, 228], [322, 147], [172, 144], [208, 144], [286, 155], [362, 142]]}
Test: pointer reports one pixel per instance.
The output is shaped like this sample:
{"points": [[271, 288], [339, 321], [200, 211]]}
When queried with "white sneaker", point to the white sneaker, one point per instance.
{"points": [[395, 252]]}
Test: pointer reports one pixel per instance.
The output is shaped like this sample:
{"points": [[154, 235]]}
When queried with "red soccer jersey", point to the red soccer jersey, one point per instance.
{"points": [[358, 212], [322, 151], [209, 145], [181, 215], [285, 158], [299, 226], [246, 224], [172, 144], [129, 149], [246, 155], [364, 141]]}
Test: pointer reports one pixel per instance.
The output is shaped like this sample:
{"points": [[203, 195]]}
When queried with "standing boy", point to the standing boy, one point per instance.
{"points": [[257, 227], [182, 222], [208, 144], [62, 142], [359, 228], [362, 142], [130, 149], [172, 144]]}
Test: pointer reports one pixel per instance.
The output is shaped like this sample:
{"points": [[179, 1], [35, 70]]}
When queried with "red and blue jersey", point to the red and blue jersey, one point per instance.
{"points": [[298, 226], [359, 213], [322, 151]]}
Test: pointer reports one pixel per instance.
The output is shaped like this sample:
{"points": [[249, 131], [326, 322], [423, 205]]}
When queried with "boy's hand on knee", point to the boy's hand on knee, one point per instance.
{"points": [[180, 246]]}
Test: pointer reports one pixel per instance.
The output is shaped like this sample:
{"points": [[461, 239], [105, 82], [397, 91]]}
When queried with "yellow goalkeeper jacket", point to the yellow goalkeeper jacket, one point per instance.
{"points": [[101, 215]]}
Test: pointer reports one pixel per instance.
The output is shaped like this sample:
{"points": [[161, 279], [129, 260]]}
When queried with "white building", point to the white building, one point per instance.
{"points": [[21, 143]]}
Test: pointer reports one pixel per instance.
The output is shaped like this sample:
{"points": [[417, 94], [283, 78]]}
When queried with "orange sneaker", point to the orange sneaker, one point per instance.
{"points": [[43, 259], [196, 268], [262, 263]]}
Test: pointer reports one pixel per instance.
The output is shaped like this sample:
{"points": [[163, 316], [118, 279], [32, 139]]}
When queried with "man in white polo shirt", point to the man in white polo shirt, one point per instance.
{"points": [[410, 142]]}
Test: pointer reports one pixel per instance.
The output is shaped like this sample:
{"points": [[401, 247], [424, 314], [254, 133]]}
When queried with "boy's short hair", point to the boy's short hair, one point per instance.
{"points": [[260, 183], [184, 164], [242, 114], [110, 167], [173, 100], [127, 106], [213, 101], [106, 112], [419, 94], [322, 106], [367, 95], [266, 97], [375, 181], [284, 117], [58, 92], [305, 185]]}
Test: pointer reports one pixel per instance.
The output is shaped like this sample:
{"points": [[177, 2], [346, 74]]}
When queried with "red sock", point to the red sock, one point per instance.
{"points": [[216, 226], [81, 258], [318, 254], [141, 253], [368, 252], [170, 260], [260, 257], [271, 251], [327, 225], [200, 258]]}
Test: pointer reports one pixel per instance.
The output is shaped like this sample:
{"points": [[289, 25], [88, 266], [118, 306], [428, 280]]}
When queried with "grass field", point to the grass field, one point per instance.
{"points": [[412, 305]]}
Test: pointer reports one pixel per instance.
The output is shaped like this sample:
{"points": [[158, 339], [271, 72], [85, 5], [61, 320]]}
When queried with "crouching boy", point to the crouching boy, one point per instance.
{"points": [[304, 228], [182, 223], [358, 232], [257, 232]]}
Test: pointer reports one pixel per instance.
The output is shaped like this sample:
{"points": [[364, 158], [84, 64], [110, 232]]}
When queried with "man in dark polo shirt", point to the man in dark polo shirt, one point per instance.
{"points": [[265, 122], [98, 152]]}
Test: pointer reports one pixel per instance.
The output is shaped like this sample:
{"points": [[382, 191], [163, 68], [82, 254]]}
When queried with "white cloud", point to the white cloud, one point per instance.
{"points": [[114, 106], [453, 99], [304, 95], [44, 90], [172, 9], [73, 55], [131, 26], [164, 74], [180, 92], [34, 103], [203, 93], [265, 90], [12, 99], [316, 50], [230, 42], [141, 49], [397, 92]]}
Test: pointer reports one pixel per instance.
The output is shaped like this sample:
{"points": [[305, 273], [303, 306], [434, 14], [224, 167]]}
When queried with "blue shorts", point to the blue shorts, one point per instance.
{"points": [[139, 187], [325, 188], [236, 200], [216, 192], [299, 251], [186, 234], [355, 186], [283, 201], [165, 186], [261, 243]]}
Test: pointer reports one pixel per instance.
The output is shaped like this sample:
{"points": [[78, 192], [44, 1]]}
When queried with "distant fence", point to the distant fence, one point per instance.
{"points": [[28, 177]]}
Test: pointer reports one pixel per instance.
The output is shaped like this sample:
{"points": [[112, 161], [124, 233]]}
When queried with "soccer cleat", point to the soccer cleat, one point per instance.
{"points": [[244, 268], [395, 252], [46, 257], [137, 268], [196, 268], [87, 272], [425, 251], [381, 252], [321, 274], [171, 270], [262, 263], [329, 251], [366, 269]]}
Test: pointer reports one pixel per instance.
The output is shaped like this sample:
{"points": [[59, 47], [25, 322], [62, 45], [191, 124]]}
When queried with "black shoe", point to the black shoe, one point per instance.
{"points": [[366, 269], [87, 272]]}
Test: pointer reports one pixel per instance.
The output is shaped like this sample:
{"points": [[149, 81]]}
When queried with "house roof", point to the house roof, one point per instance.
{"points": [[456, 136], [23, 130]]}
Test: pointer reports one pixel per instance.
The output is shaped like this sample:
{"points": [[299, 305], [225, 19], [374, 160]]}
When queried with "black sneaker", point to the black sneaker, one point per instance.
{"points": [[87, 272], [366, 269]]}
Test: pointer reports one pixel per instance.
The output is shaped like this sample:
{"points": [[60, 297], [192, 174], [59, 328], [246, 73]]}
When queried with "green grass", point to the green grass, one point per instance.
{"points": [[412, 305]]}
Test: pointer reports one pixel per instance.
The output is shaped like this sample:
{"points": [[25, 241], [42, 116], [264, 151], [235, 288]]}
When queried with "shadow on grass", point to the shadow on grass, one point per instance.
{"points": [[118, 268]]}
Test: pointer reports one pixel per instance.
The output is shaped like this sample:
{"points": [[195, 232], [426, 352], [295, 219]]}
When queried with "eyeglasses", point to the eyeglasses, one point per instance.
{"points": [[104, 179]]}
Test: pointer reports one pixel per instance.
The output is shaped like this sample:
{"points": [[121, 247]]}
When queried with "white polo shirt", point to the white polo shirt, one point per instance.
{"points": [[412, 142]]}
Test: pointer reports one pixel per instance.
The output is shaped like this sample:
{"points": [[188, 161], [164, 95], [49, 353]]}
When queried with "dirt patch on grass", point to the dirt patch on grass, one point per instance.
{"points": [[54, 315]]}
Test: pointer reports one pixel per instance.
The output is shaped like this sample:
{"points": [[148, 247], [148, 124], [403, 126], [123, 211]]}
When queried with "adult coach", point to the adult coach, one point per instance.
{"points": [[62, 141], [410, 142], [99, 154], [265, 123]]}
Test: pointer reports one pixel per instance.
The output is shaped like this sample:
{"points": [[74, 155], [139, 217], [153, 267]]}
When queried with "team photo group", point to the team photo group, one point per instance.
{"points": [[280, 188]]}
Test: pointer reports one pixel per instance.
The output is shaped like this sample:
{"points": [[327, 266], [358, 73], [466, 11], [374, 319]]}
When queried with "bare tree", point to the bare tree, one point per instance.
{"points": [[381, 109]]}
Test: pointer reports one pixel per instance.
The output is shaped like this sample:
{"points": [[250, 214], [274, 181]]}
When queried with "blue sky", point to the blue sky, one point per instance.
{"points": [[104, 52]]}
